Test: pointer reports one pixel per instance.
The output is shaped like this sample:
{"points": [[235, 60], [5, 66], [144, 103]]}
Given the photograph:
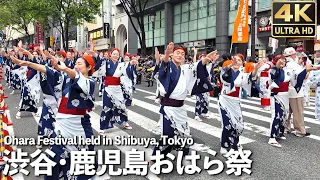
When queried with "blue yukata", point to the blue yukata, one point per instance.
{"points": [[114, 109], [280, 79], [31, 90], [202, 99], [232, 123], [6, 63], [174, 84], [74, 98], [127, 85], [314, 78], [17, 72], [49, 104]]}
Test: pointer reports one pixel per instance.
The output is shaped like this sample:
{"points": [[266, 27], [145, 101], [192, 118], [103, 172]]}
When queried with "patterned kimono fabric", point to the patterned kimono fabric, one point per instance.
{"points": [[280, 79], [174, 86], [49, 105], [30, 94], [114, 109], [229, 103], [74, 98], [314, 78], [15, 76], [202, 100], [127, 86]]}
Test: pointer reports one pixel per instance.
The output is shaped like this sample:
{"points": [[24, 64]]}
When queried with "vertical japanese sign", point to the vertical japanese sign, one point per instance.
{"points": [[39, 33], [241, 27]]}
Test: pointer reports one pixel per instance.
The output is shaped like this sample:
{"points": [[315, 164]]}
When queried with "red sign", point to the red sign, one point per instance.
{"points": [[39, 33], [263, 29]]}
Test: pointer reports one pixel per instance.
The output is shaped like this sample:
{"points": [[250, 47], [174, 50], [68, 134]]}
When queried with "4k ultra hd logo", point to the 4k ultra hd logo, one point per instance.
{"points": [[294, 19]]}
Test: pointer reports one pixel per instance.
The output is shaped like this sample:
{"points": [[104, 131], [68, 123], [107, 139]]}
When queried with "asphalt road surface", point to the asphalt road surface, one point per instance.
{"points": [[297, 159]]}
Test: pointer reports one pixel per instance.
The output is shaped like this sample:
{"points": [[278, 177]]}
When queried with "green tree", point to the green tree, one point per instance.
{"points": [[68, 13], [19, 14], [135, 9]]}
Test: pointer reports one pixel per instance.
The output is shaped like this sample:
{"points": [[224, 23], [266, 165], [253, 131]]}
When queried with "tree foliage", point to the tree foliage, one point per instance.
{"points": [[135, 9], [69, 12], [20, 13]]}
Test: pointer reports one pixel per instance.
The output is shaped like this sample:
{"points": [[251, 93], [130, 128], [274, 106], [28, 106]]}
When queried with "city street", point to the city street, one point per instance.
{"points": [[297, 159]]}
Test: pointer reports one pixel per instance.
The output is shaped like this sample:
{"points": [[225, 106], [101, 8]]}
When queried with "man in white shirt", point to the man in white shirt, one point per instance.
{"points": [[295, 98]]}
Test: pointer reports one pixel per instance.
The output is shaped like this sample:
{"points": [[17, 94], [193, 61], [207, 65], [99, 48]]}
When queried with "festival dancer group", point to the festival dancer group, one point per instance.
{"points": [[66, 82]]}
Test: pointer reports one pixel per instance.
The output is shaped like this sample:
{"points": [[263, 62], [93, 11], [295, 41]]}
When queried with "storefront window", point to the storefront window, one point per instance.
{"points": [[234, 5], [159, 35], [195, 17], [265, 4]]}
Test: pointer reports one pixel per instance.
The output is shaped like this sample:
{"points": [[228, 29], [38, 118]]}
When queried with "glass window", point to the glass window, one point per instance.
{"points": [[185, 17], [193, 25], [202, 34], [176, 38], [234, 5], [193, 4], [202, 3], [264, 4], [184, 37], [146, 27], [185, 7], [193, 35], [193, 15], [176, 29], [202, 12], [146, 19], [156, 42], [232, 16], [158, 16], [212, 1], [212, 9], [150, 34], [162, 41], [211, 33], [202, 23], [157, 24], [156, 33], [163, 15], [177, 9], [163, 23], [211, 21], [177, 19], [230, 29], [147, 34], [184, 27], [162, 32]]}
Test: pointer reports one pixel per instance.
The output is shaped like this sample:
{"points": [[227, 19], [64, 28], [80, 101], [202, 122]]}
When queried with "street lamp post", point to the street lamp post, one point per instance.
{"points": [[152, 18]]}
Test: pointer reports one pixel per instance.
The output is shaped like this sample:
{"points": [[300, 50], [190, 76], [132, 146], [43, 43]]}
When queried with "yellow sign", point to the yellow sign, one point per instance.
{"points": [[98, 34], [294, 19], [51, 41]]}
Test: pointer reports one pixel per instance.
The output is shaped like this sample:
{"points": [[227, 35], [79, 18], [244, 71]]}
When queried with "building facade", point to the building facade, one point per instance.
{"points": [[206, 24]]}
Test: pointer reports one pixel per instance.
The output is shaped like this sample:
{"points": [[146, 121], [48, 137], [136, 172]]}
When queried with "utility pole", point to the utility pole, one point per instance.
{"points": [[253, 29]]}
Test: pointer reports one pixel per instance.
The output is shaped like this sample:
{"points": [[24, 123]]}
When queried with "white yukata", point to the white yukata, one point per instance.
{"points": [[229, 103], [74, 97], [31, 90], [280, 80], [114, 109], [314, 78], [175, 83]]}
